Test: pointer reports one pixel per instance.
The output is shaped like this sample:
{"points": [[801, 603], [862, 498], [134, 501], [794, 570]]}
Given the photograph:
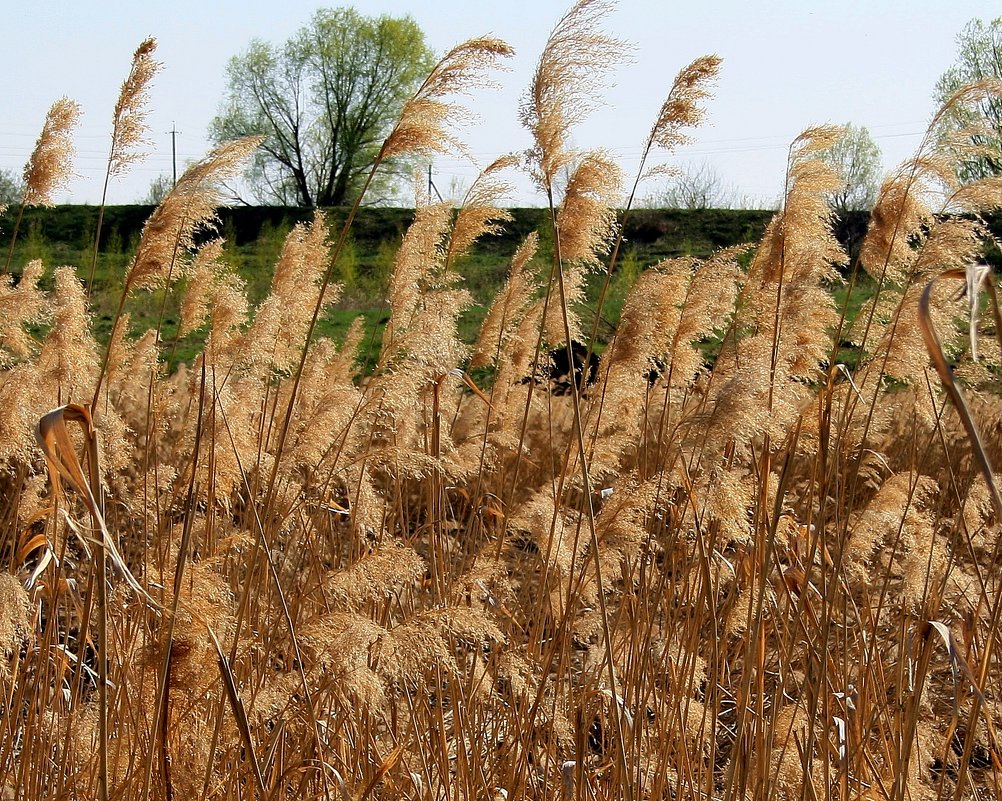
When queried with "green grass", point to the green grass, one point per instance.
{"points": [[254, 237]]}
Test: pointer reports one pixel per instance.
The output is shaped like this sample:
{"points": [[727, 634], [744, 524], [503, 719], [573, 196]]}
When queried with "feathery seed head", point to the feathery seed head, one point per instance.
{"points": [[420, 253], [650, 316], [682, 107], [20, 305], [190, 207], [15, 618], [50, 165], [508, 307], [386, 572], [814, 140], [283, 318], [573, 61], [970, 94], [976, 196], [69, 352], [200, 273], [898, 213], [215, 291], [586, 223], [480, 213], [421, 127], [129, 122]]}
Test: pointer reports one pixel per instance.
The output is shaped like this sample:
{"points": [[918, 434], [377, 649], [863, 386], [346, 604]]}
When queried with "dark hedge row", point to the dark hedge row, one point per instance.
{"points": [[652, 234]]}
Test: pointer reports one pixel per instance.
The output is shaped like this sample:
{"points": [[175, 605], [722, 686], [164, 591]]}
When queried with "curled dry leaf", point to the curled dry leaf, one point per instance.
{"points": [[53, 437]]}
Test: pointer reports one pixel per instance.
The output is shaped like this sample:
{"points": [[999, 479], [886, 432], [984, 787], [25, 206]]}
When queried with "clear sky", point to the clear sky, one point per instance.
{"points": [[787, 64]]}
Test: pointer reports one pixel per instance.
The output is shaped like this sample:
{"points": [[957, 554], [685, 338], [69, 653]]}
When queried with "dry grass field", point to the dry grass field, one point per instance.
{"points": [[268, 576]]}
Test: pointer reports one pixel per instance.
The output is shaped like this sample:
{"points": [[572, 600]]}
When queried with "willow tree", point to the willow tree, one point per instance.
{"points": [[324, 100], [856, 157], [978, 60]]}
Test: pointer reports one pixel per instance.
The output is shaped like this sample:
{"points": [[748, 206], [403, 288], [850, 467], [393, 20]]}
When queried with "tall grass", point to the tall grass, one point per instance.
{"points": [[267, 575]]}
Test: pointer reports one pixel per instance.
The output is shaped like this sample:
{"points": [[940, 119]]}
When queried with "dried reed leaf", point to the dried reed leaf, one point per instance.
{"points": [[385, 766], [945, 373], [53, 437], [239, 713]]}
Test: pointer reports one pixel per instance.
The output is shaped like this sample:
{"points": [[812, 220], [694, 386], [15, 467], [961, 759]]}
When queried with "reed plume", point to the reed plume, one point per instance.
{"points": [[420, 255], [562, 92], [21, 305], [129, 129], [274, 340], [788, 307], [480, 213], [648, 335], [50, 166], [51, 163], [214, 293], [586, 227], [16, 627], [421, 126], [168, 236], [68, 358], [751, 556], [508, 307], [682, 108], [189, 209]]}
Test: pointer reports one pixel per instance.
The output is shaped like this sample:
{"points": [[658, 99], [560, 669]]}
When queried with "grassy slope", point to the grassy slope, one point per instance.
{"points": [[254, 236], [64, 235]]}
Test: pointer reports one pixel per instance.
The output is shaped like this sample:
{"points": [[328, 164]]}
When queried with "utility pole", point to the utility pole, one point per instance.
{"points": [[432, 187], [173, 152]]}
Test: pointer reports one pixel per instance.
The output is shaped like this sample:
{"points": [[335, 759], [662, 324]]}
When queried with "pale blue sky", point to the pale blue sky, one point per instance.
{"points": [[787, 64]]}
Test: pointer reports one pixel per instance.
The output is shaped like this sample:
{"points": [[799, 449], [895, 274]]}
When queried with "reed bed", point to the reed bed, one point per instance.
{"points": [[268, 576]]}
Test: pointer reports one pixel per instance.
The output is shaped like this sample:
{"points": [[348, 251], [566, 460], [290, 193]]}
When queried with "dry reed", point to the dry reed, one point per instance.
{"points": [[762, 573]]}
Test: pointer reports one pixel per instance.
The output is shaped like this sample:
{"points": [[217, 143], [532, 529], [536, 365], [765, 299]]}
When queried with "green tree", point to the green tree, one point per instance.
{"points": [[159, 189], [323, 101], [11, 188], [979, 57], [857, 158]]}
